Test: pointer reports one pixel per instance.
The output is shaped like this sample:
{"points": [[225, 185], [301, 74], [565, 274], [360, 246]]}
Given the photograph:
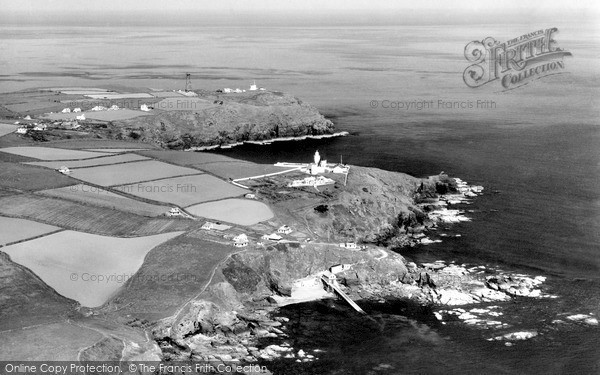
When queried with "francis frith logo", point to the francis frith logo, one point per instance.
{"points": [[515, 62]]}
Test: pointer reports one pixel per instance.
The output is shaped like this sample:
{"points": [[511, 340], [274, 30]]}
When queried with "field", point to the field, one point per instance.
{"points": [[237, 211], [115, 150], [59, 341], [121, 174], [185, 191], [172, 273], [121, 114], [101, 264], [13, 230], [186, 158], [49, 153], [137, 95], [238, 169], [104, 198], [7, 129], [85, 218], [26, 297], [78, 144], [183, 103], [25, 177], [90, 162]]}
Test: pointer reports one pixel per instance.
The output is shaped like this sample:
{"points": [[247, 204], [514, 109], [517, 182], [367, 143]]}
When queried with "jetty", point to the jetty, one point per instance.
{"points": [[332, 284]]}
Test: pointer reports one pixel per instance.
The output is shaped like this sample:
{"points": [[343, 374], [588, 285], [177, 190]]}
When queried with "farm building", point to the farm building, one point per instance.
{"points": [[22, 130], [250, 196], [349, 245], [76, 110], [272, 237], [64, 170], [240, 240], [82, 117], [284, 229], [209, 225], [66, 110], [144, 108], [339, 268]]}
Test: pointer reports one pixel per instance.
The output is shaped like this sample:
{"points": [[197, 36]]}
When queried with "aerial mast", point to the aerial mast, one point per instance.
{"points": [[188, 82]]}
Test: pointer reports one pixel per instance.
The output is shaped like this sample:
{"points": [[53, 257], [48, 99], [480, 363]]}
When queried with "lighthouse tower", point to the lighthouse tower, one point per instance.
{"points": [[317, 158]]}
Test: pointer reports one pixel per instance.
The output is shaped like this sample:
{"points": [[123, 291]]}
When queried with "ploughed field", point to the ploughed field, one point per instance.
{"points": [[184, 191], [86, 218], [121, 174], [104, 198], [106, 159]]}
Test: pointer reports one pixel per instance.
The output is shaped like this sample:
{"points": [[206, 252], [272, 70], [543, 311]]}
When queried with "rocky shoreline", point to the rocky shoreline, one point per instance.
{"points": [[244, 324]]}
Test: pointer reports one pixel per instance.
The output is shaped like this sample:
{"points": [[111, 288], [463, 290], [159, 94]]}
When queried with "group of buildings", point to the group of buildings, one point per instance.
{"points": [[253, 87]]}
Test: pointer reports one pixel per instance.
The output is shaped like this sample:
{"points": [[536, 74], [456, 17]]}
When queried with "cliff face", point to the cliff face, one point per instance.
{"points": [[227, 119]]}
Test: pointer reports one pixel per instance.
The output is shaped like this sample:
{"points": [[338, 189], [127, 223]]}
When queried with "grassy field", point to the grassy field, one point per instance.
{"points": [[105, 160], [7, 129], [115, 150], [30, 178], [49, 153], [85, 267], [172, 273], [26, 300], [186, 158], [12, 230], [85, 218], [78, 144], [56, 342], [121, 114], [186, 190], [100, 197], [237, 211], [128, 173], [238, 169]]}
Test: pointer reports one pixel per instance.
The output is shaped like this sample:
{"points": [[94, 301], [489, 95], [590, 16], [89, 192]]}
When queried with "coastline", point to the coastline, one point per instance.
{"points": [[268, 141]]}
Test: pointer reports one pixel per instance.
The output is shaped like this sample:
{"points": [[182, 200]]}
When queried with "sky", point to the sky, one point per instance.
{"points": [[247, 12]]}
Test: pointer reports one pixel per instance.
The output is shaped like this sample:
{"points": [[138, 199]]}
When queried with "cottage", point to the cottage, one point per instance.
{"points": [[113, 107], [21, 130], [82, 117], [272, 237], [250, 196], [349, 245], [240, 240], [144, 108], [66, 110], [99, 108], [284, 229], [40, 127], [339, 268], [175, 211], [253, 87], [76, 110], [64, 170]]}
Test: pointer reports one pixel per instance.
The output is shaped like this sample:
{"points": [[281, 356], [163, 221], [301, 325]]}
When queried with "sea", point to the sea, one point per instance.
{"points": [[535, 149]]}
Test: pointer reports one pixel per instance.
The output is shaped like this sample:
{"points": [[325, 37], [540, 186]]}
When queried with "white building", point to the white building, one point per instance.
{"points": [[40, 127], [253, 87], [272, 237], [64, 170], [113, 107], [312, 181], [284, 229], [227, 90], [349, 245], [99, 108], [250, 196], [76, 110], [21, 130], [339, 268], [81, 117], [144, 108], [66, 110], [240, 240]]}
